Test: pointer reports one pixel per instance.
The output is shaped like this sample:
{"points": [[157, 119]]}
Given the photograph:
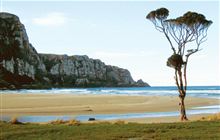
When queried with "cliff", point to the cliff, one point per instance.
{"points": [[22, 67]]}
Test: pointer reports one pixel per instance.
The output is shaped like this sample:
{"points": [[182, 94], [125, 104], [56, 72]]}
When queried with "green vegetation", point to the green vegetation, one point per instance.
{"points": [[200, 130]]}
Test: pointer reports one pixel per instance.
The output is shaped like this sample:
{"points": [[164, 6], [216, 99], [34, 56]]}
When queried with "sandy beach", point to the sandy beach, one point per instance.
{"points": [[69, 104]]}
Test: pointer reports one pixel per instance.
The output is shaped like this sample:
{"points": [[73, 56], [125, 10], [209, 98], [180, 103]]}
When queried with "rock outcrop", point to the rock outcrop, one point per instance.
{"points": [[22, 67]]}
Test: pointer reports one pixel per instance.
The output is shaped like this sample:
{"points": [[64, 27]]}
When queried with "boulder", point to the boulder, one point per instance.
{"points": [[141, 83], [91, 119]]}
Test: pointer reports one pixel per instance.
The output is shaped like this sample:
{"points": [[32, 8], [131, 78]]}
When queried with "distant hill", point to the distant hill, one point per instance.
{"points": [[22, 67]]}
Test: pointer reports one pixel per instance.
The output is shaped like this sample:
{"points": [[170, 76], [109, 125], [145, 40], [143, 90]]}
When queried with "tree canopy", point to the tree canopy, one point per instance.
{"points": [[190, 27]]}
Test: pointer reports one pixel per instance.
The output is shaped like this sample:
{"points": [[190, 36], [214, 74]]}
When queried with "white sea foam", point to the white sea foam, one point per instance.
{"points": [[206, 92], [208, 107]]}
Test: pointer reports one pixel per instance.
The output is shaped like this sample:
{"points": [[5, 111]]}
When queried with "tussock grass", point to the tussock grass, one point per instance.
{"points": [[101, 122], [198, 130], [69, 122], [119, 122], [15, 121], [73, 122], [58, 121], [213, 117]]}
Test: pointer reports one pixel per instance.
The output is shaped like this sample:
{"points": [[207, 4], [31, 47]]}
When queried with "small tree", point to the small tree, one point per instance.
{"points": [[191, 27]]}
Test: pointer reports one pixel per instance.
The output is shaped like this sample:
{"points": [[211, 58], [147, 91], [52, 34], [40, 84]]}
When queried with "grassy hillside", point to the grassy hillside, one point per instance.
{"points": [[200, 130]]}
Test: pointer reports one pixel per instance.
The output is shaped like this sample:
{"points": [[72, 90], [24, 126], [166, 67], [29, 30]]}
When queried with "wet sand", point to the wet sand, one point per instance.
{"points": [[69, 104]]}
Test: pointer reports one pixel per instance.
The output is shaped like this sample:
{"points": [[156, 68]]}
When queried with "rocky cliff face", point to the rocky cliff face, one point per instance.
{"points": [[83, 71], [22, 67]]}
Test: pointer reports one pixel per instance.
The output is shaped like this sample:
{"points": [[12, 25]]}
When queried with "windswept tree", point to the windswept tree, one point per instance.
{"points": [[190, 28]]}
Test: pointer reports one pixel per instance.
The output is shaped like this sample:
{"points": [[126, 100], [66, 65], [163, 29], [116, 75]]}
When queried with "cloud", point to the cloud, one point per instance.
{"points": [[51, 19]]}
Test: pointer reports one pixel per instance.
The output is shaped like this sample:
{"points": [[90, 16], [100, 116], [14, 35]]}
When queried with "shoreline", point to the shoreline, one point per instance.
{"points": [[71, 104], [16, 105], [147, 120]]}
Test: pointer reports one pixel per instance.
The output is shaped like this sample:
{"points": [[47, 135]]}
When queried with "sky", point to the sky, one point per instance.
{"points": [[118, 33]]}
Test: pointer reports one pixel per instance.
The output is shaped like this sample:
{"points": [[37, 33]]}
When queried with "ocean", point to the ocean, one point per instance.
{"points": [[194, 91]]}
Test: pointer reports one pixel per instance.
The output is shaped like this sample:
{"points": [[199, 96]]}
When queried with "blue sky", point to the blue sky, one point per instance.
{"points": [[118, 34]]}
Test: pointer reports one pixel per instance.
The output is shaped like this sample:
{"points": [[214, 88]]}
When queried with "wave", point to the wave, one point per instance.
{"points": [[203, 91]]}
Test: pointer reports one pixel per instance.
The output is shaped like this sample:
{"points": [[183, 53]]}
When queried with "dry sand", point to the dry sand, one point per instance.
{"points": [[69, 104]]}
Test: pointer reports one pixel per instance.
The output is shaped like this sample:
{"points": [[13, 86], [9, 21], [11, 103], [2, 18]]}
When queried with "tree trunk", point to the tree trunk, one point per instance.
{"points": [[182, 109], [182, 92]]}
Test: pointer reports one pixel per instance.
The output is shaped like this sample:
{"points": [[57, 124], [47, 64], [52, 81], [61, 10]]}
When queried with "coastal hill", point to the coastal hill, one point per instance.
{"points": [[21, 66]]}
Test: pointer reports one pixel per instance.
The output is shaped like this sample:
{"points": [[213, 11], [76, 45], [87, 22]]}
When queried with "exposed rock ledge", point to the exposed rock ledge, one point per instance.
{"points": [[22, 67]]}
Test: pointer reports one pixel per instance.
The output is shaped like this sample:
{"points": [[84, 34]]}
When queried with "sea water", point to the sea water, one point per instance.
{"points": [[193, 91]]}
